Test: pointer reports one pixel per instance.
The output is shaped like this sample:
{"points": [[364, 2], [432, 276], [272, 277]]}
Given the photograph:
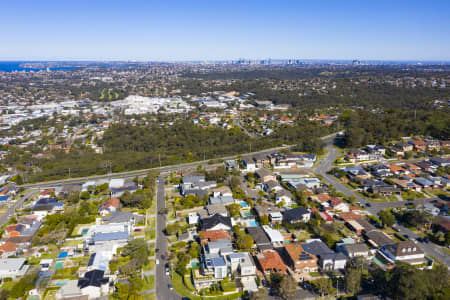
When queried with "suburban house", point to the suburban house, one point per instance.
{"points": [[249, 165], [418, 145], [109, 206], [70, 291], [216, 222], [283, 196], [219, 198], [328, 259], [94, 284], [353, 250], [270, 262], [405, 251], [195, 185], [213, 235], [242, 263], [275, 237], [299, 214], [265, 175], [276, 217], [48, 205], [272, 185], [300, 260], [260, 238], [8, 249], [219, 246], [13, 267]]}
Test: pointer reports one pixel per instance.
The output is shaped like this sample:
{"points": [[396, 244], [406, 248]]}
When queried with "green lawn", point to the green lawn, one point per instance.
{"points": [[179, 286], [150, 265], [150, 234], [149, 282]]}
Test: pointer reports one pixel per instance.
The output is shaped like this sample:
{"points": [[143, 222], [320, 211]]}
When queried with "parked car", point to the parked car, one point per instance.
{"points": [[167, 271], [170, 287]]}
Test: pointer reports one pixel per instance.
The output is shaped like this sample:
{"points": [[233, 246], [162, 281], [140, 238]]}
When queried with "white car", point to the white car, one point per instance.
{"points": [[157, 261]]}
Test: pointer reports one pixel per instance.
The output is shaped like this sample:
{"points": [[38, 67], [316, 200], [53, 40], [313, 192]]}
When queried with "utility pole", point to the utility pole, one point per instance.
{"points": [[159, 156], [69, 172]]}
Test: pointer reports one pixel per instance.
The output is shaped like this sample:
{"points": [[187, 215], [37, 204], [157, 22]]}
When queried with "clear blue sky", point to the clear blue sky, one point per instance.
{"points": [[215, 30]]}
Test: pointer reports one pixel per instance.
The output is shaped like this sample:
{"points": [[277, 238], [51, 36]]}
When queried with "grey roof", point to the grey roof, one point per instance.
{"points": [[317, 248], [31, 230], [110, 236], [92, 278], [224, 245], [216, 209], [259, 237], [294, 214], [193, 179], [333, 256], [355, 248], [379, 238], [208, 223], [11, 264], [221, 200], [121, 217]]}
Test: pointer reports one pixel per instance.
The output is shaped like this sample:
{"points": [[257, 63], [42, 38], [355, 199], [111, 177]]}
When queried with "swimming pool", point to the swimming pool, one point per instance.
{"points": [[62, 254], [59, 265], [244, 204], [59, 282], [252, 223], [84, 231]]}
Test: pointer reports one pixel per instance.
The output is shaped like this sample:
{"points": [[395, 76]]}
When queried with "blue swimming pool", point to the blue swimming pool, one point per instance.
{"points": [[252, 223], [244, 204]]}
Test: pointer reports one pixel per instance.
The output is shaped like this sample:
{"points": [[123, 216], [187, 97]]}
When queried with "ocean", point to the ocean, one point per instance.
{"points": [[11, 66]]}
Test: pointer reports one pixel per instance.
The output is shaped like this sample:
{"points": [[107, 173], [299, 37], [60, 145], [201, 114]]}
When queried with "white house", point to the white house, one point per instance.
{"points": [[405, 251], [275, 237], [13, 267], [193, 218], [249, 165]]}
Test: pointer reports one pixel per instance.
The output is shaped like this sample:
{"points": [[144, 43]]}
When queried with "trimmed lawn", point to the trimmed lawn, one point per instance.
{"points": [[150, 234], [72, 243], [179, 286]]}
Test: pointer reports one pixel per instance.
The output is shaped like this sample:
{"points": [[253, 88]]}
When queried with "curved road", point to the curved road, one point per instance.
{"points": [[326, 164]]}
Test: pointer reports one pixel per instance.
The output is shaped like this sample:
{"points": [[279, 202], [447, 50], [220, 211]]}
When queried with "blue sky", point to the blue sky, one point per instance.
{"points": [[216, 30]]}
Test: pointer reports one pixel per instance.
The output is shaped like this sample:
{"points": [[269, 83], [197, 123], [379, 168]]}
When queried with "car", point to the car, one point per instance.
{"points": [[406, 236], [426, 240], [368, 204], [420, 240], [409, 203], [157, 262], [170, 287], [167, 271]]}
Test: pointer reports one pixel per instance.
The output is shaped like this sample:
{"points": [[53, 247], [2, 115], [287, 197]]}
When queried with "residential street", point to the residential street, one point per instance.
{"points": [[17, 205], [326, 164], [161, 280]]}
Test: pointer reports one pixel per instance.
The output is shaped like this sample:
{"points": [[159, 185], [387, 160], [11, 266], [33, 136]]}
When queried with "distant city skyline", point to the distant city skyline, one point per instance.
{"points": [[208, 31]]}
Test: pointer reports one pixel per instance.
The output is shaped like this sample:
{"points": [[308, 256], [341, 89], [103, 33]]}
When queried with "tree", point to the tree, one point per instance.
{"points": [[288, 288], [352, 281], [261, 294], [85, 195], [245, 242], [323, 286], [387, 217], [264, 220], [234, 209]]}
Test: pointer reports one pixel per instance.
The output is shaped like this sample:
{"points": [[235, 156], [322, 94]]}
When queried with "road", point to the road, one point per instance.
{"points": [[238, 123], [161, 280], [326, 164], [4, 218]]}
